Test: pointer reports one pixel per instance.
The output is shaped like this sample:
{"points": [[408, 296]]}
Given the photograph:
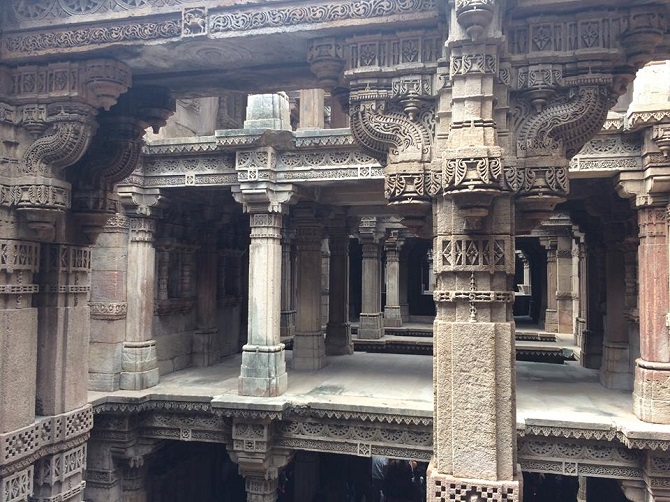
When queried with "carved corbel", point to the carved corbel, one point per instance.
{"points": [[394, 125], [115, 153], [548, 135], [474, 16], [54, 107]]}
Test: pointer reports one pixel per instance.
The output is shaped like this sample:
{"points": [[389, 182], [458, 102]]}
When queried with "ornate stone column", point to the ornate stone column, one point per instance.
{"points": [[287, 291], [551, 313], [371, 322], [402, 286], [311, 109], [338, 330], [263, 371], [206, 289], [651, 396], [392, 313], [18, 335], [309, 349], [615, 369], [139, 366], [108, 304]]}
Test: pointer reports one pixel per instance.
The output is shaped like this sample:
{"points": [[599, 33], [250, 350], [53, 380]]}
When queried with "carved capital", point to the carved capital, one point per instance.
{"points": [[474, 16], [326, 60]]}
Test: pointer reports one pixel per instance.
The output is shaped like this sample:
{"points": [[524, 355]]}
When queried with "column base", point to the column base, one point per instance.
{"points": [[392, 317], [651, 393], [139, 365], [309, 351], [445, 488], [615, 370], [338, 339], [371, 326], [263, 371], [551, 321]]}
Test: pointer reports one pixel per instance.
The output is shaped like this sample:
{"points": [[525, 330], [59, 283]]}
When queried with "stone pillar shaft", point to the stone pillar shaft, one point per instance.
{"points": [[139, 367], [475, 417], [551, 315], [309, 347], [651, 396], [311, 109], [615, 370], [287, 293], [338, 330], [108, 305], [371, 321], [18, 334], [564, 292], [63, 328], [392, 314], [263, 371]]}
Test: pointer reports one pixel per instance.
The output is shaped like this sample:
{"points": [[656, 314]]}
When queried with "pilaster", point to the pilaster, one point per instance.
{"points": [[651, 395], [63, 328], [551, 314], [338, 329], [263, 371], [139, 362], [109, 304], [371, 322], [392, 247], [309, 349], [288, 311]]}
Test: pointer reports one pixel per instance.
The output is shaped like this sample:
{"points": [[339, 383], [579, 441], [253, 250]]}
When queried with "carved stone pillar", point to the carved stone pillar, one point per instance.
{"points": [[108, 304], [392, 314], [338, 330], [371, 323], [139, 362], [615, 369], [63, 328], [18, 336], [656, 473], [287, 290], [309, 349], [403, 276], [474, 451], [592, 345], [206, 290], [651, 395], [263, 371], [311, 109], [583, 488], [551, 313], [564, 291], [325, 283]]}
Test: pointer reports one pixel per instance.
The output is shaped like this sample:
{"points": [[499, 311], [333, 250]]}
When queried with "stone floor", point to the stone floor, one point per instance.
{"points": [[562, 395]]}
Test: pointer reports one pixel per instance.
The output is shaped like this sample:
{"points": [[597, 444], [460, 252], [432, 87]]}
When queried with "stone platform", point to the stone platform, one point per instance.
{"points": [[563, 400]]}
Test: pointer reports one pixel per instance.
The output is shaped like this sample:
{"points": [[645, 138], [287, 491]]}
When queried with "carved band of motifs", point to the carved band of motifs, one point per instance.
{"points": [[46, 436], [202, 21], [596, 452]]}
